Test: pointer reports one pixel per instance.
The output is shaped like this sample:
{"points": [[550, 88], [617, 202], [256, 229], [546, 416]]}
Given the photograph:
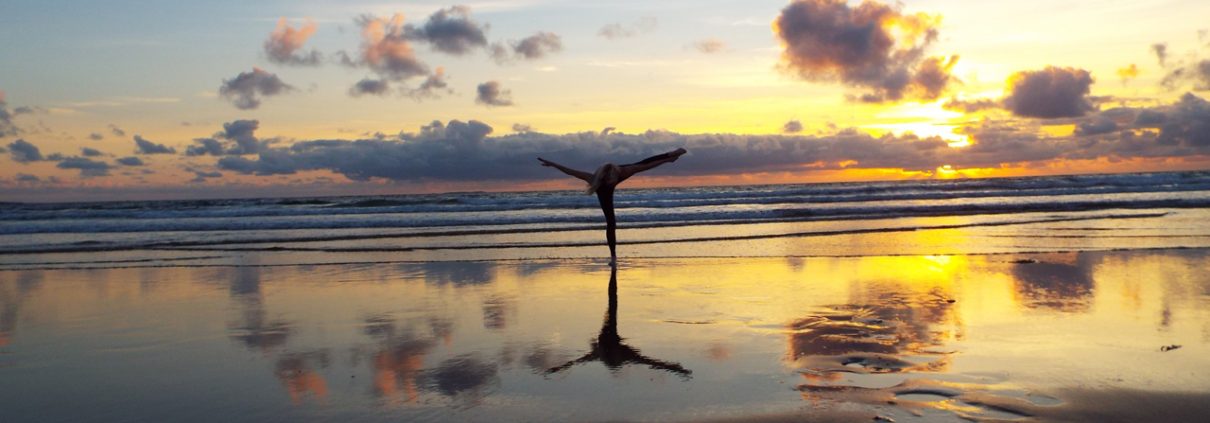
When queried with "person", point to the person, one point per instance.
{"points": [[606, 179]]}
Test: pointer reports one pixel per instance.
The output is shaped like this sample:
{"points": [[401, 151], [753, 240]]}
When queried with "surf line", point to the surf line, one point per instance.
{"points": [[685, 240]]}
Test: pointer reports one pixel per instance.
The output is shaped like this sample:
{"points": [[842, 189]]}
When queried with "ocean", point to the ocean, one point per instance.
{"points": [[1053, 213]]}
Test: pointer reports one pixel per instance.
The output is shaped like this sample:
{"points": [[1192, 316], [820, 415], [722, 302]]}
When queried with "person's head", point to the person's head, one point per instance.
{"points": [[608, 174]]}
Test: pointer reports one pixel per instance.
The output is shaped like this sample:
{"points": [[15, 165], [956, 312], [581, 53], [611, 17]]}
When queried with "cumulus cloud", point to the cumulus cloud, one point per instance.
{"points": [[385, 49], [972, 106], [533, 47], [1161, 53], [616, 31], [433, 86], [792, 127], [96, 136], [450, 31], [90, 152], [1053, 92], [130, 161], [144, 146], [88, 168], [248, 89], [22, 151], [491, 94], [873, 47], [237, 138], [285, 42], [200, 176], [709, 46]]}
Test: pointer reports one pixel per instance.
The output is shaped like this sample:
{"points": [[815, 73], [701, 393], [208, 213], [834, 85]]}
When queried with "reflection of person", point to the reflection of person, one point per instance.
{"points": [[608, 347], [606, 178]]}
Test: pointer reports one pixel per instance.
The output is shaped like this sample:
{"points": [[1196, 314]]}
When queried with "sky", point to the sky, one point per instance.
{"points": [[125, 99]]}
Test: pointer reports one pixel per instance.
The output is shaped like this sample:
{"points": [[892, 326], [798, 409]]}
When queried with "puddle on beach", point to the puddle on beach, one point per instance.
{"points": [[913, 338]]}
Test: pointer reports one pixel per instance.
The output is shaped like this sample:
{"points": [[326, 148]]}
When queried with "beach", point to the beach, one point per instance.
{"points": [[999, 313]]}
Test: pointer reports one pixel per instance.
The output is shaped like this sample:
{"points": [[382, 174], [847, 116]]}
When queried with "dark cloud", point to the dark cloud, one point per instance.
{"points": [[1161, 52], [450, 31], [710, 46], [7, 127], [55, 157], [248, 89], [463, 151], [492, 95], [88, 168], [1052, 92], [521, 127], [237, 138], [368, 86], [433, 86], [25, 177], [872, 46], [285, 41], [533, 47], [130, 161], [385, 49], [144, 146], [96, 136], [116, 131], [201, 176], [792, 127], [615, 31], [971, 106], [90, 152], [24, 152], [1197, 73]]}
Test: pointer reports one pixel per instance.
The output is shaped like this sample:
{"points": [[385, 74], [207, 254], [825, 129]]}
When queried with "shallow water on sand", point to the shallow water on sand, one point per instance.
{"points": [[911, 338]]}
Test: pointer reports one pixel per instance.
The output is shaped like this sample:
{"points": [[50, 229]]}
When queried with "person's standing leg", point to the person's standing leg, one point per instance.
{"points": [[605, 196]]}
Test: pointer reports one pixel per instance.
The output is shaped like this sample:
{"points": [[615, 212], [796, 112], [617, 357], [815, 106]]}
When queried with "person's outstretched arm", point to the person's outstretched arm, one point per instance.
{"points": [[585, 176], [650, 163]]}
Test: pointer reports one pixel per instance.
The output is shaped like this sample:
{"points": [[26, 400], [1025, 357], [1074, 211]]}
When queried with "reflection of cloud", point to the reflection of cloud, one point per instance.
{"points": [[297, 374], [495, 312], [465, 376], [12, 295], [254, 329], [457, 273], [1056, 286], [399, 361]]}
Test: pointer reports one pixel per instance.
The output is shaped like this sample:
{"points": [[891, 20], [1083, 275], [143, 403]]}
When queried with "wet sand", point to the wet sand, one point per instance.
{"points": [[1037, 337]]}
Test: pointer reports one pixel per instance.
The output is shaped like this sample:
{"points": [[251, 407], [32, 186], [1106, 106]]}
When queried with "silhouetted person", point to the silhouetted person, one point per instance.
{"points": [[608, 347], [603, 182]]}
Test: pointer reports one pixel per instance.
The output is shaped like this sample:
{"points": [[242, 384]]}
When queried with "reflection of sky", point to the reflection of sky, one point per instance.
{"points": [[398, 340]]}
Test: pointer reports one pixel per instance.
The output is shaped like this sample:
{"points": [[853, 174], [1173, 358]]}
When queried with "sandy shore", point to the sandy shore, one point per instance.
{"points": [[1046, 337]]}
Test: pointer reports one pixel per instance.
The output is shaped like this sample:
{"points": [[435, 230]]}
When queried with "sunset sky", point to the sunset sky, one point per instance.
{"points": [[128, 99]]}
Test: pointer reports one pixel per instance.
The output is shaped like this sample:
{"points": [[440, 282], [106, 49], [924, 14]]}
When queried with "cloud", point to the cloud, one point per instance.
{"points": [[116, 131], [25, 177], [972, 106], [7, 127], [521, 127], [24, 152], [792, 127], [285, 41], [533, 47], [873, 47], [464, 151], [96, 136], [88, 168], [143, 146], [432, 87], [1128, 73], [616, 31], [1161, 52], [90, 152], [490, 94], [248, 89], [385, 49], [450, 31], [369, 86], [237, 138], [201, 176], [130, 161], [1052, 92], [1197, 73], [709, 46]]}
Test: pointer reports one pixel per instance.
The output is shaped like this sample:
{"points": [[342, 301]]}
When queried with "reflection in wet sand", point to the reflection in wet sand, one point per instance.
{"points": [[297, 373], [12, 296], [254, 329], [1061, 283], [609, 349]]}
